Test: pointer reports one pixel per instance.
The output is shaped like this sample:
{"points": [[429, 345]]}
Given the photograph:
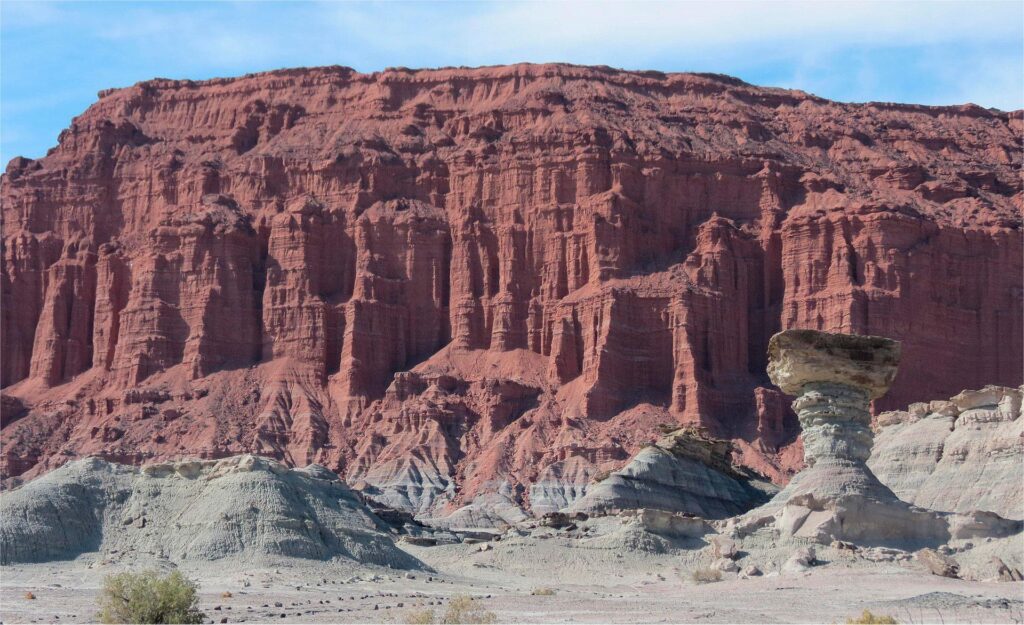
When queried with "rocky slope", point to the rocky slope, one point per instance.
{"points": [[448, 284], [682, 472], [958, 455], [243, 509]]}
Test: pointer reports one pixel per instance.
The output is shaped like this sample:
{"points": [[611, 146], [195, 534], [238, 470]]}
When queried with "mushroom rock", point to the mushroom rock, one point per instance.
{"points": [[836, 496]]}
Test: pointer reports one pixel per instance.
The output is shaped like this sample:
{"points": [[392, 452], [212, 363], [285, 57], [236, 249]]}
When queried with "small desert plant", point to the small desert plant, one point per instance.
{"points": [[419, 617], [148, 597], [867, 618], [706, 575], [460, 610], [543, 592], [29, 595], [226, 594]]}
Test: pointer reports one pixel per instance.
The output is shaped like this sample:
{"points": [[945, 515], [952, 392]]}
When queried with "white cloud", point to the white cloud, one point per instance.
{"points": [[544, 28]]}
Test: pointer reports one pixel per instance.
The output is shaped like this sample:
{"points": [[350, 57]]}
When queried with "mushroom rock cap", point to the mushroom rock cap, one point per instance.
{"points": [[799, 357]]}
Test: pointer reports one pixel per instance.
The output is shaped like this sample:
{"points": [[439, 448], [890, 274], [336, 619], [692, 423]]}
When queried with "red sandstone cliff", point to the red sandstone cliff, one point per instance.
{"points": [[458, 282]]}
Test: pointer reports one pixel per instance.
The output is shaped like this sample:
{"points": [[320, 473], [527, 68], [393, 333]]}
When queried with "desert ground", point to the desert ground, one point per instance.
{"points": [[590, 585]]}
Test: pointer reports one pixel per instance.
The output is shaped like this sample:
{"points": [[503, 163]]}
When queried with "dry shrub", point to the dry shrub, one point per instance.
{"points": [[29, 595], [226, 594], [460, 610], [543, 592], [706, 575], [149, 597], [419, 617], [867, 618]]}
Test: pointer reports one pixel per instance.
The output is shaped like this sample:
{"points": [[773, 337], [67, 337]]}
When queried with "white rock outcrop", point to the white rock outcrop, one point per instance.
{"points": [[957, 456]]}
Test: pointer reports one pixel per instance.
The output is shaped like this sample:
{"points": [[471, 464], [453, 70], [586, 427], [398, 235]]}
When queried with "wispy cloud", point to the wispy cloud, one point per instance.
{"points": [[929, 52]]}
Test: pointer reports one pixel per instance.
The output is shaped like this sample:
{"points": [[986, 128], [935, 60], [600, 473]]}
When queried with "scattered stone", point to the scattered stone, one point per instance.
{"points": [[751, 570]]}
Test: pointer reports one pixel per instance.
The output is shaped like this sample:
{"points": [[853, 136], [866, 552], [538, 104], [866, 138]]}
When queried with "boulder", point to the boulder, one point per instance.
{"points": [[751, 570], [724, 547], [801, 560], [1004, 572], [726, 565], [668, 524], [938, 563]]}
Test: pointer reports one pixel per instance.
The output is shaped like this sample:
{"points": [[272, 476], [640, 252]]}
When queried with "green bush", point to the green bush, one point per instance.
{"points": [[149, 597]]}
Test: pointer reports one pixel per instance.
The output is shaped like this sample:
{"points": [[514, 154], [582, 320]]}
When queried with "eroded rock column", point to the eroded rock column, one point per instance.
{"points": [[835, 377]]}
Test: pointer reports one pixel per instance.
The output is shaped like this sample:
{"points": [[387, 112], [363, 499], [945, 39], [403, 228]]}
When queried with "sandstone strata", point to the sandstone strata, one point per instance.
{"points": [[457, 284]]}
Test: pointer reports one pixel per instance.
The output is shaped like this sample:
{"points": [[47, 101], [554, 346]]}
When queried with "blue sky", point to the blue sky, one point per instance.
{"points": [[54, 57]]}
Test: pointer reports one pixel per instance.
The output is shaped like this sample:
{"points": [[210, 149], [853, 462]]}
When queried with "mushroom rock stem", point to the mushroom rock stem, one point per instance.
{"points": [[836, 422]]}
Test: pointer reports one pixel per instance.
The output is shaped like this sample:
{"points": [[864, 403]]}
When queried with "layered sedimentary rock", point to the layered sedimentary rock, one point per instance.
{"points": [[459, 284], [959, 455], [836, 496], [683, 472], [244, 508]]}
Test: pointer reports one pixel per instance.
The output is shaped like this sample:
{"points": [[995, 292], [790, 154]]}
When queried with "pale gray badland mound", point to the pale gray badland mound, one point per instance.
{"points": [[685, 471], [243, 508]]}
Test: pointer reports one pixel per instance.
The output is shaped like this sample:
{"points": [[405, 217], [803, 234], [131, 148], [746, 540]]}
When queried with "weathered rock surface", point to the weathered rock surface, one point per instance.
{"points": [[447, 283], [837, 497], [243, 508], [938, 563], [683, 472], [959, 455]]}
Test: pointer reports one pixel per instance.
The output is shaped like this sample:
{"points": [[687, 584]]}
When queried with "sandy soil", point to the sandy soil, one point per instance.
{"points": [[591, 586]]}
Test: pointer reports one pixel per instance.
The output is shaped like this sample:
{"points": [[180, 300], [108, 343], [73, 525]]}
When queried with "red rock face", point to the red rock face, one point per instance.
{"points": [[451, 283]]}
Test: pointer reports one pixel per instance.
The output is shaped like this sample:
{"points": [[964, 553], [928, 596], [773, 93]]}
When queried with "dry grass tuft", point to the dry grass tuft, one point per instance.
{"points": [[29, 595], [867, 618], [543, 591], [419, 617], [706, 575], [461, 610]]}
